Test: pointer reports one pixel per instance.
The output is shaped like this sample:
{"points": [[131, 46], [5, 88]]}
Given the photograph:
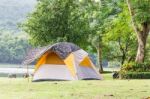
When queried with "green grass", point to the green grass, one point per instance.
{"points": [[105, 89]]}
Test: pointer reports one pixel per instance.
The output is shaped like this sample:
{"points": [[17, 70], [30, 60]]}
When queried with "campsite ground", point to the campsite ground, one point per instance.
{"points": [[19, 88]]}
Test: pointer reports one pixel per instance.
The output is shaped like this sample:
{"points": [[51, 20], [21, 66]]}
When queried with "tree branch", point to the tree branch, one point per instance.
{"points": [[121, 47], [132, 14]]}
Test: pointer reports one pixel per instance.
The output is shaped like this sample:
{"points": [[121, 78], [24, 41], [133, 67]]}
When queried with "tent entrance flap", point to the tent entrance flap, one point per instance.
{"points": [[53, 58], [49, 58]]}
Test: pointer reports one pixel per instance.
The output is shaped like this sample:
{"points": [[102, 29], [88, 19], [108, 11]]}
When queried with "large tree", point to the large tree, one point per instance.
{"points": [[58, 20], [118, 35], [101, 17], [68, 20], [139, 11]]}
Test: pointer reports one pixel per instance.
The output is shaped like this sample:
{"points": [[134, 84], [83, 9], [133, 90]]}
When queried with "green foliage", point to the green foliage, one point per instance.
{"points": [[58, 20], [12, 48], [147, 53], [141, 9], [135, 75], [138, 67], [90, 24], [119, 44], [100, 21]]}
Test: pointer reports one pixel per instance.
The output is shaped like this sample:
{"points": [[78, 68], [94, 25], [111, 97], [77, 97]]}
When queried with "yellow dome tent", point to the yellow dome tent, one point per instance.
{"points": [[62, 61]]}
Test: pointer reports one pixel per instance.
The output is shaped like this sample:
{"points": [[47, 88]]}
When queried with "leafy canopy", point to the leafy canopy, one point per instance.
{"points": [[58, 20], [141, 10]]}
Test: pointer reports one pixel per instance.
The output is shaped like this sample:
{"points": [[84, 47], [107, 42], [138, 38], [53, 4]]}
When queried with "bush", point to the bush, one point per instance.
{"points": [[135, 71], [135, 75], [136, 67]]}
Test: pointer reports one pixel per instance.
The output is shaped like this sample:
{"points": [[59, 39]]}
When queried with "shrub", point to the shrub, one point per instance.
{"points": [[135, 71], [135, 75], [136, 67]]}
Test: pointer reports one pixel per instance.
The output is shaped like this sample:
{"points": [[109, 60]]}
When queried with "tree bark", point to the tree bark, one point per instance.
{"points": [[123, 50], [99, 57], [142, 38], [123, 59], [131, 58]]}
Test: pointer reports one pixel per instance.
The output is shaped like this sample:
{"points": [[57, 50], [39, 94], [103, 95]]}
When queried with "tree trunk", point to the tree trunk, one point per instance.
{"points": [[131, 58], [142, 38], [123, 58], [99, 59], [142, 34], [123, 50]]}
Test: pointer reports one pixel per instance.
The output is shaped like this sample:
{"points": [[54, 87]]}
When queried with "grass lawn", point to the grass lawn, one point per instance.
{"points": [[105, 89]]}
